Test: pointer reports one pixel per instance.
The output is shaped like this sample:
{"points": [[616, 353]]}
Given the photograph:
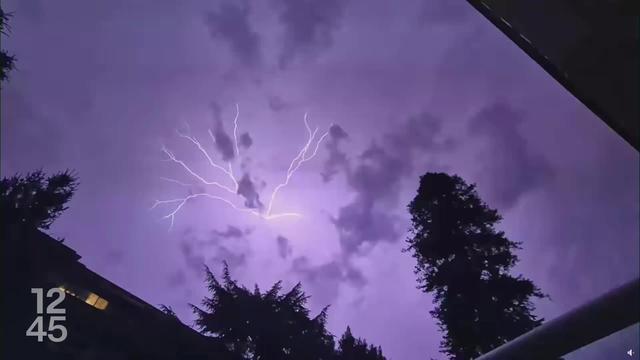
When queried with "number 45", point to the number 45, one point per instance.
{"points": [[36, 329]]}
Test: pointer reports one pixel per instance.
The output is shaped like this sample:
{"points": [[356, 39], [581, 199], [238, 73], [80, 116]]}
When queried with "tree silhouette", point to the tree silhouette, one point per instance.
{"points": [[272, 325], [464, 261], [34, 199], [265, 326], [350, 348], [7, 62], [169, 311]]}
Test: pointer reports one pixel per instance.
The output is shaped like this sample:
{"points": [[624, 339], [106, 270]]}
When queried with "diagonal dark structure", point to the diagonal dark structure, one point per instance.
{"points": [[591, 47], [605, 315]]}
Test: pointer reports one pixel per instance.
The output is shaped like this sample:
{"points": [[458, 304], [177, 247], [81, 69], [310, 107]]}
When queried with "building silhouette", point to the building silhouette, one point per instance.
{"points": [[103, 321]]}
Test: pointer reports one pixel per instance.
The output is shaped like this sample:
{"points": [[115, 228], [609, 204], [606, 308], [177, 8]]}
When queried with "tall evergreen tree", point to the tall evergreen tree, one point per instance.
{"points": [[263, 326], [464, 261]]}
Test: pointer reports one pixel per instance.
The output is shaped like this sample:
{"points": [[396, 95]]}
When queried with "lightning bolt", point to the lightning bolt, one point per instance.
{"points": [[303, 156], [298, 160]]}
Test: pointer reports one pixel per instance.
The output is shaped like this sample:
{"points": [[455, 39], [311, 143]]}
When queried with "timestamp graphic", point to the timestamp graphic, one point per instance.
{"points": [[55, 331]]}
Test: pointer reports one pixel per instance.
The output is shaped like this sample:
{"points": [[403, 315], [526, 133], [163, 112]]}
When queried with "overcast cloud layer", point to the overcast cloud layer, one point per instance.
{"points": [[409, 87]]}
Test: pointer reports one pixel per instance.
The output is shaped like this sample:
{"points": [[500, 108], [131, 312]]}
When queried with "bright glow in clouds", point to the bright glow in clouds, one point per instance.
{"points": [[303, 156]]}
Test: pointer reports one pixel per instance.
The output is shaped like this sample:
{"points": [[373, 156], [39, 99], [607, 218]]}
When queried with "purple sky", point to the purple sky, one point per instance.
{"points": [[412, 86]]}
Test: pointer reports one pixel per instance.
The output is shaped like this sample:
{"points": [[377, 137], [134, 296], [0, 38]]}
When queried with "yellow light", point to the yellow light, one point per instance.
{"points": [[101, 304], [67, 290], [91, 299]]}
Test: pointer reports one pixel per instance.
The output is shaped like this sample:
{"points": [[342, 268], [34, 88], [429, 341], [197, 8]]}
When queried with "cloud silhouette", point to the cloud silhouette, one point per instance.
{"points": [[194, 260], [245, 140], [230, 245], [247, 189], [325, 279], [511, 169], [284, 248], [337, 159], [277, 104], [308, 26], [377, 174], [230, 22], [223, 141], [230, 232]]}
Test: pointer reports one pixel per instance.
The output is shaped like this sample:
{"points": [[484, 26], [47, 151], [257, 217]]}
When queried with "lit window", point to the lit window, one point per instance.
{"points": [[101, 304], [91, 299], [96, 301]]}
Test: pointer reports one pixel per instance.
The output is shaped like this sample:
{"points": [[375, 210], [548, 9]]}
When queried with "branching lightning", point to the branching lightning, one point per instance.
{"points": [[303, 156]]}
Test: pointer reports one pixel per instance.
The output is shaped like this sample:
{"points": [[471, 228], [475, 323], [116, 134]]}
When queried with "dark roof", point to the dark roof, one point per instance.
{"points": [[588, 46], [35, 259]]}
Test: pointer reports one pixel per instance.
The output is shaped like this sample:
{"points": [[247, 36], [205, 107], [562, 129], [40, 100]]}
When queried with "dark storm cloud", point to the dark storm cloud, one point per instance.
{"points": [[362, 221], [376, 178], [245, 140], [337, 159], [224, 143], [419, 132], [230, 232], [227, 246], [194, 260], [308, 26], [330, 270], [247, 189], [277, 104], [511, 169], [337, 133], [232, 258], [219, 246], [284, 248], [325, 279], [230, 22]]}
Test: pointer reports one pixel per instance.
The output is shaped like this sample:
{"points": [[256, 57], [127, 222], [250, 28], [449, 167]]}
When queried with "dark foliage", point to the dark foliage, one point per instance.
{"points": [[271, 325], [464, 262], [264, 326], [169, 311], [35, 199], [7, 62], [350, 348]]}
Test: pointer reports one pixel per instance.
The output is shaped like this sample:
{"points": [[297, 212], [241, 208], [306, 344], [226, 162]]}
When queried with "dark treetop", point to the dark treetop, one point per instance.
{"points": [[7, 62], [272, 325], [464, 262], [35, 199]]}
